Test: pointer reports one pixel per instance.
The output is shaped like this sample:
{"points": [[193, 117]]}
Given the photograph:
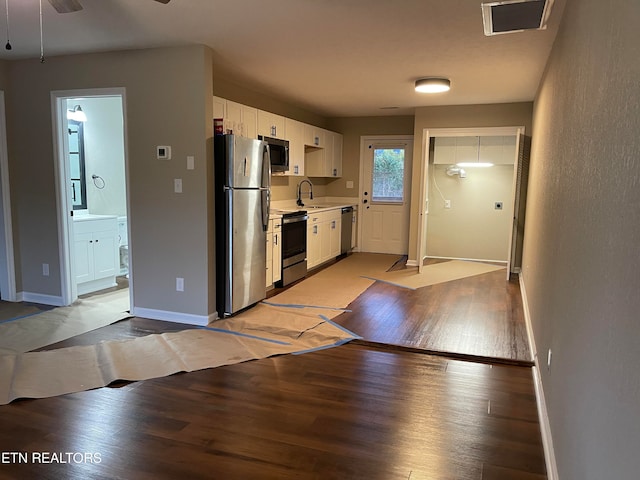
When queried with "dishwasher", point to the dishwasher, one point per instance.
{"points": [[347, 225]]}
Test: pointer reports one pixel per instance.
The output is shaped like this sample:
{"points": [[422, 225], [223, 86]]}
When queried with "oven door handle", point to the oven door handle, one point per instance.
{"points": [[286, 220]]}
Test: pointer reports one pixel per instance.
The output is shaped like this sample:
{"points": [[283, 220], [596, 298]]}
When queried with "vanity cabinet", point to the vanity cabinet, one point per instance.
{"points": [[96, 253]]}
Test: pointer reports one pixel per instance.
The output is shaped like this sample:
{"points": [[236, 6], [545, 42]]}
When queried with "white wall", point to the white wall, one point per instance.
{"points": [[104, 154], [472, 228], [581, 267]]}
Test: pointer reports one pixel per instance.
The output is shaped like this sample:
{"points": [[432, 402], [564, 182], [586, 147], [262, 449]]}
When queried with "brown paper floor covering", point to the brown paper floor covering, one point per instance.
{"points": [[262, 331]]}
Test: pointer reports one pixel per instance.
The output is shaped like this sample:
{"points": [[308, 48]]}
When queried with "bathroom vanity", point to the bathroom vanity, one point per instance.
{"points": [[96, 247]]}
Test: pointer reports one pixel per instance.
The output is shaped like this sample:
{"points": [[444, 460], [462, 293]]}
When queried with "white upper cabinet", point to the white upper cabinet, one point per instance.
{"points": [[327, 161], [294, 132], [237, 118], [270, 124], [336, 158], [313, 151], [499, 150], [314, 136]]}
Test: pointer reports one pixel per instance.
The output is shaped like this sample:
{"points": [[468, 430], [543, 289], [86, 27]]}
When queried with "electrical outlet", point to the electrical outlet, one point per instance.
{"points": [[191, 162], [45, 269], [177, 185], [179, 284], [447, 204]]}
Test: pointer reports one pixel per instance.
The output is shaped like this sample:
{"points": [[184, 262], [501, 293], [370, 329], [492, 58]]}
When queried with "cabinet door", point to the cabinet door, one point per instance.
{"points": [[105, 255], [83, 253], [314, 136], [270, 124], [294, 132], [325, 240], [313, 245], [233, 118], [269, 251], [466, 149], [249, 122], [219, 107], [336, 168], [335, 229], [277, 251]]}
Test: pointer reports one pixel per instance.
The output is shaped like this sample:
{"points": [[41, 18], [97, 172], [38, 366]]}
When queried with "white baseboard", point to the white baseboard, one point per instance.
{"points": [[40, 298], [175, 317], [411, 263], [543, 416]]}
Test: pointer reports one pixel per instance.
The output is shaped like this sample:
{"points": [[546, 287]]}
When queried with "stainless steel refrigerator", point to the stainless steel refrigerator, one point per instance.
{"points": [[242, 178]]}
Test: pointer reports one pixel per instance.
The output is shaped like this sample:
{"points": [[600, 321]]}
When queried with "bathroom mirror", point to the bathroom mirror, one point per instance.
{"points": [[76, 165]]}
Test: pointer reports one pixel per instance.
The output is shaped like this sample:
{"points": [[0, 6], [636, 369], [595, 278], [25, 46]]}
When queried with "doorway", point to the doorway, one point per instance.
{"points": [[470, 211], [7, 267], [93, 220], [385, 193]]}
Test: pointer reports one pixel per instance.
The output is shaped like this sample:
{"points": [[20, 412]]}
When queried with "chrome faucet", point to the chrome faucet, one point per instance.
{"points": [[299, 200]]}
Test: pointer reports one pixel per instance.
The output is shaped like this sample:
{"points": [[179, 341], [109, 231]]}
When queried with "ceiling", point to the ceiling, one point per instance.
{"points": [[331, 57]]}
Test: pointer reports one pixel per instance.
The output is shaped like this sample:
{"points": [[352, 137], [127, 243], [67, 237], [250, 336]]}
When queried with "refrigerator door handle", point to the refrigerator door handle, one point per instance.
{"points": [[265, 183]]}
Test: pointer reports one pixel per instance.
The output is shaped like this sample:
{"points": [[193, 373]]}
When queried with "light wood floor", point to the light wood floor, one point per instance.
{"points": [[374, 411]]}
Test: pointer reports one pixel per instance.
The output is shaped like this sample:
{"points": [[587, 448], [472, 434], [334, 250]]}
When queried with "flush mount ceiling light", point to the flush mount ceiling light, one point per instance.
{"points": [[76, 114], [433, 85]]}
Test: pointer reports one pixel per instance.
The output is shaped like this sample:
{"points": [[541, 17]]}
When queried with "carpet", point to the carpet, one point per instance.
{"points": [[435, 273]]}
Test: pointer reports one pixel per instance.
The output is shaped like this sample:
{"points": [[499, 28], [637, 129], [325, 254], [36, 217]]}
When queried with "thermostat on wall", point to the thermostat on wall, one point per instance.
{"points": [[164, 153]]}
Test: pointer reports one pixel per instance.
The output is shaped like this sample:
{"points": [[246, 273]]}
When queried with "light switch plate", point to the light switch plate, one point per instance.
{"points": [[191, 162], [177, 185]]}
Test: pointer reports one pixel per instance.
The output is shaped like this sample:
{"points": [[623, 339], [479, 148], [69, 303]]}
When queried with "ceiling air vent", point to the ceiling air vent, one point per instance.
{"points": [[515, 16]]}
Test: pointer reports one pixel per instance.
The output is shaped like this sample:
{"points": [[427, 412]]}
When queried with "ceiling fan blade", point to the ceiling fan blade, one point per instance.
{"points": [[163, 1], [66, 6]]}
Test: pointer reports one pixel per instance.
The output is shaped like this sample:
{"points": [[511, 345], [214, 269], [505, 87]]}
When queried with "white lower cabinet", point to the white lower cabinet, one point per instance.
{"points": [[323, 237], [276, 246], [269, 250], [274, 251], [96, 253]]}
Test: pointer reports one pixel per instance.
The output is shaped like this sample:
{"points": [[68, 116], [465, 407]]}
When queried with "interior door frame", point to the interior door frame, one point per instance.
{"points": [[7, 261], [69, 289], [423, 219], [364, 141]]}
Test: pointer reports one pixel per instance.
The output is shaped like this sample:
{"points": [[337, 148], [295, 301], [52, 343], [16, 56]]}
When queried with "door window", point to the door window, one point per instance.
{"points": [[388, 175]]}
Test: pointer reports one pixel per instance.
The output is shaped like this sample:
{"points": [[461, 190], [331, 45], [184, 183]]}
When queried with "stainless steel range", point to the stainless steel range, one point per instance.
{"points": [[294, 247]]}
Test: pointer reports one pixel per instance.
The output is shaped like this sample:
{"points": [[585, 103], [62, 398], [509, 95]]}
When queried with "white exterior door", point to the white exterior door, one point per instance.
{"points": [[385, 194]]}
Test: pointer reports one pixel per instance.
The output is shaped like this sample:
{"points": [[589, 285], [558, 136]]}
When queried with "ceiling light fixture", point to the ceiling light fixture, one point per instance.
{"points": [[76, 114], [433, 85]]}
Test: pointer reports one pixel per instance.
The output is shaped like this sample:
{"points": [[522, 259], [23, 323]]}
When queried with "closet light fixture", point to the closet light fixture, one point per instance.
{"points": [[76, 114], [474, 164], [433, 85]]}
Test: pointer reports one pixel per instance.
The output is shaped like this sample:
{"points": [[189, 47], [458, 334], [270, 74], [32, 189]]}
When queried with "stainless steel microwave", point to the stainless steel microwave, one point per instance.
{"points": [[279, 151]]}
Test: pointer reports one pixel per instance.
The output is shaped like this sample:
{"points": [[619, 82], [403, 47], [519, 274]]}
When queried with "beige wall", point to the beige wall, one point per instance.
{"points": [[169, 102], [458, 116], [352, 129], [581, 267], [472, 228]]}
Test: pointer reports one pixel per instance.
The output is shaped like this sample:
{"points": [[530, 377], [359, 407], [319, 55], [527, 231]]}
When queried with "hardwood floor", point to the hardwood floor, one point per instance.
{"points": [[478, 318], [343, 413], [374, 411]]}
